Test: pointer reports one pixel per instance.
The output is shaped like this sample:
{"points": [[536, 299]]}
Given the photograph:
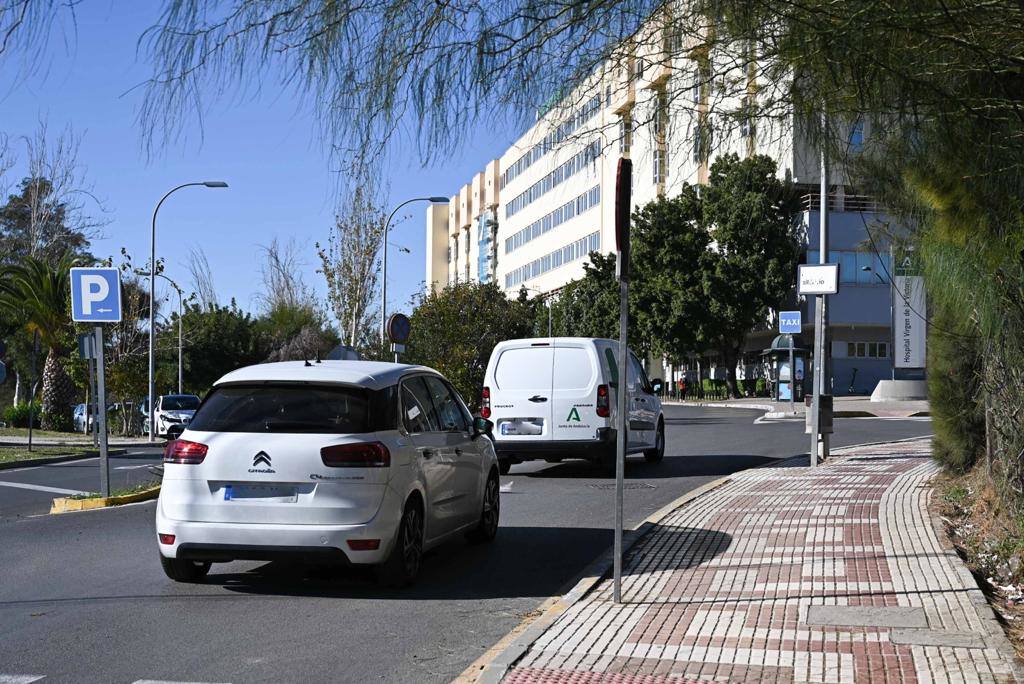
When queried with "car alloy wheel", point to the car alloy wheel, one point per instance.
{"points": [[412, 541], [492, 507]]}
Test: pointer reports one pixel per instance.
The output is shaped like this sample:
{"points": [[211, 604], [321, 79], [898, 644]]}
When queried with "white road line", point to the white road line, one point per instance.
{"points": [[52, 465], [19, 679], [163, 681], [135, 467], [41, 488]]}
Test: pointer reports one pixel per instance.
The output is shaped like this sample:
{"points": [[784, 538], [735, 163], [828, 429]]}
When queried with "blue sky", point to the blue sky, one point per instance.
{"points": [[266, 148]]}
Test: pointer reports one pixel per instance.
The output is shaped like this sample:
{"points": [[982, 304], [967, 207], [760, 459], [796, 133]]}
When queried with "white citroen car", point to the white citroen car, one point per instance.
{"points": [[353, 462]]}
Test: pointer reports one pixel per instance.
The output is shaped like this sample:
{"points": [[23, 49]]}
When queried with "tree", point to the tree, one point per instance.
{"points": [[670, 244], [589, 306], [350, 263], [220, 339], [455, 329], [752, 268], [41, 294]]}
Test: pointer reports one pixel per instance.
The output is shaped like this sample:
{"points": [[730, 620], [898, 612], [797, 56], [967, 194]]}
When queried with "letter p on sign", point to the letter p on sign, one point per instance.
{"points": [[95, 295]]}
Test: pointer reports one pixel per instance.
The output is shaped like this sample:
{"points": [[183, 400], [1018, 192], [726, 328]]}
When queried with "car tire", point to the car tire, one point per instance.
{"points": [[406, 557], [487, 529], [181, 570], [658, 452], [504, 466]]}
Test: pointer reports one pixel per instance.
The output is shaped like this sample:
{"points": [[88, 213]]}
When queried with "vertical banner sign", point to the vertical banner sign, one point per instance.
{"points": [[623, 204], [910, 332]]}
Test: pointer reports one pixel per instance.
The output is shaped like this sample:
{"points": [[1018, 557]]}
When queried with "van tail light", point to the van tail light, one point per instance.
{"points": [[166, 539], [184, 451], [602, 401], [485, 403], [359, 455]]}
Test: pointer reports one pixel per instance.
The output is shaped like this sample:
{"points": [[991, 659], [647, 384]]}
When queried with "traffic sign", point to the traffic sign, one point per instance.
{"points": [[398, 328], [789, 322], [95, 295], [86, 346], [817, 279]]}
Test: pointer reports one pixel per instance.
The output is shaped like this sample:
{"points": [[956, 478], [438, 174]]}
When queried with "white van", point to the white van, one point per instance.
{"points": [[555, 397]]}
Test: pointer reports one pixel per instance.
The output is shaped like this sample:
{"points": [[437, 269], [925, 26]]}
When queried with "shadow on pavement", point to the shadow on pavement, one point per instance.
{"points": [[671, 466], [521, 562], [689, 546]]}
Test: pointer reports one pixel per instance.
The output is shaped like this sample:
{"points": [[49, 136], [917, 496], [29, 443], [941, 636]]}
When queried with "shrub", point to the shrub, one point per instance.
{"points": [[954, 391], [17, 416]]}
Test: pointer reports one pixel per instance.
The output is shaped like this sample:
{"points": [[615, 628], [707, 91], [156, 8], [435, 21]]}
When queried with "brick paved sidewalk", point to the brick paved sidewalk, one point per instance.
{"points": [[788, 575]]}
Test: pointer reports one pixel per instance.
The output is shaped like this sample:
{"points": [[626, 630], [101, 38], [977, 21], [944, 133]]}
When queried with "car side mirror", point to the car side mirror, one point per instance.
{"points": [[482, 426]]}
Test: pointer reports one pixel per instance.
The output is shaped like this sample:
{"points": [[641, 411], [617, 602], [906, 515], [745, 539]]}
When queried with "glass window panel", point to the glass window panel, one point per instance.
{"points": [[865, 259], [848, 267], [873, 349], [861, 351]]}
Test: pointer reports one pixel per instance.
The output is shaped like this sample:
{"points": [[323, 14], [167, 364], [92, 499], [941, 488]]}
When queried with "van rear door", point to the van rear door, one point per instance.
{"points": [[574, 392], [521, 393]]}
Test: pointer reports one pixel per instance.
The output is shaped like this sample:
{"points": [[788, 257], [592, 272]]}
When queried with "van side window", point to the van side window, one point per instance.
{"points": [[641, 374], [613, 368], [418, 413]]}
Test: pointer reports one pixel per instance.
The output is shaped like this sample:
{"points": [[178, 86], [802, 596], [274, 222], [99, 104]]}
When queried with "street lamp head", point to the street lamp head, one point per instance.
{"points": [[215, 184], [438, 200]]}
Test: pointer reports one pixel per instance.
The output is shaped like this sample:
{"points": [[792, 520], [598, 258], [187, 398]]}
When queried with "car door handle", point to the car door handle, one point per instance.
{"points": [[538, 399]]}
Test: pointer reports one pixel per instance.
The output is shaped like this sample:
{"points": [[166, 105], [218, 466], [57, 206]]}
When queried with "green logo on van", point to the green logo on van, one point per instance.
{"points": [[574, 415]]}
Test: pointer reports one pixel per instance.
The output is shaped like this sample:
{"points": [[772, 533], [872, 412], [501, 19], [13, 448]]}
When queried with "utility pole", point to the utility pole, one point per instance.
{"points": [[821, 364]]}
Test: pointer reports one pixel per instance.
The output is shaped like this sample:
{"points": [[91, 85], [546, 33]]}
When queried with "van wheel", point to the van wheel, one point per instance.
{"points": [[181, 570], [487, 529], [403, 564], [658, 452], [504, 466]]}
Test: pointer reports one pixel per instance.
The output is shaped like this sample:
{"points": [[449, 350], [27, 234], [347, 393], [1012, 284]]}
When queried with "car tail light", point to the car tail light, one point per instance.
{"points": [[602, 401], [485, 403], [167, 539], [360, 455], [184, 451], [364, 544]]}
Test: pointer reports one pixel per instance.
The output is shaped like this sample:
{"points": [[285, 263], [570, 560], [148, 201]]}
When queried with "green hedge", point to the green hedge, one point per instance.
{"points": [[954, 390], [17, 416]]}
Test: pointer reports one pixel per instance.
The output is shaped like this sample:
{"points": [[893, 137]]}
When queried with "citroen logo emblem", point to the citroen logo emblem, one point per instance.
{"points": [[261, 458]]}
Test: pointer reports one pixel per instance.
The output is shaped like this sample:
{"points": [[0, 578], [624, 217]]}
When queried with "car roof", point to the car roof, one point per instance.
{"points": [[370, 374], [528, 341]]}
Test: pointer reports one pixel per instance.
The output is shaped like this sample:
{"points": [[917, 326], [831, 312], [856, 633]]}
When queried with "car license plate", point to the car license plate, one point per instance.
{"points": [[260, 493], [525, 426]]}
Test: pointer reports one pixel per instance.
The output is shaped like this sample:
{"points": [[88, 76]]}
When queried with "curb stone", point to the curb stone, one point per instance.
{"points": [[69, 505], [494, 670], [32, 462]]}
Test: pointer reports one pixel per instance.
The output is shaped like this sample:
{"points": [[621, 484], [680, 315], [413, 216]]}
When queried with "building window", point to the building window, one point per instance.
{"points": [[857, 136], [625, 132], [562, 173], [867, 350], [571, 252], [852, 265], [661, 115], [747, 116], [569, 210], [702, 142], [660, 166]]}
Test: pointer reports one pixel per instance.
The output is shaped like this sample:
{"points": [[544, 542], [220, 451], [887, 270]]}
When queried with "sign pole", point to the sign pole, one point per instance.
{"points": [[792, 378], [820, 319], [623, 203], [101, 419]]}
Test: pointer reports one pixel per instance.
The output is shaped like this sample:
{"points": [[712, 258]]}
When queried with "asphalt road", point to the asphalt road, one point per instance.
{"points": [[29, 491], [84, 599]]}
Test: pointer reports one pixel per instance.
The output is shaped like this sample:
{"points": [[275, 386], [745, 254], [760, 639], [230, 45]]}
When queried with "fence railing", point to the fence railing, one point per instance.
{"points": [[836, 202]]}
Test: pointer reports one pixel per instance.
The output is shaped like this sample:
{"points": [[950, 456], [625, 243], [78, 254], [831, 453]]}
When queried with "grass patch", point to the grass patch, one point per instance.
{"points": [[42, 434], [124, 491], [10, 454]]}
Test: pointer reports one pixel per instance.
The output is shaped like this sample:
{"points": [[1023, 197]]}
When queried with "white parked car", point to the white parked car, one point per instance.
{"points": [[341, 461], [555, 398], [172, 411]]}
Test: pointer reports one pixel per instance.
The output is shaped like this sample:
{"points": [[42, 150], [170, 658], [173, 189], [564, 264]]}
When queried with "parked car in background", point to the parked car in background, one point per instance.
{"points": [[81, 418], [352, 462], [555, 398], [172, 410]]}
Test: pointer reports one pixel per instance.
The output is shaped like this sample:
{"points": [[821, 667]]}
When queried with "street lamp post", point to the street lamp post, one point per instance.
{"points": [[384, 260], [152, 287]]}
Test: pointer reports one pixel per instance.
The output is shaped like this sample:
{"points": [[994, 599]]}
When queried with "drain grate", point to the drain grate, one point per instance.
{"points": [[628, 485]]}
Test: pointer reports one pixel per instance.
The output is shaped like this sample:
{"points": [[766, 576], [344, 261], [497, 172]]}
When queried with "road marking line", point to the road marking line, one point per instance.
{"points": [[19, 679], [41, 488], [163, 681], [135, 467]]}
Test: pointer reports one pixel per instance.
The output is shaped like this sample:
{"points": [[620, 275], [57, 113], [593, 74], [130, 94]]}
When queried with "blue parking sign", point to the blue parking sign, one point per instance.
{"points": [[789, 322], [95, 295]]}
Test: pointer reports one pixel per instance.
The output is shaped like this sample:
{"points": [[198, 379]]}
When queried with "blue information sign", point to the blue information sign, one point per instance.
{"points": [[95, 295], [789, 322]]}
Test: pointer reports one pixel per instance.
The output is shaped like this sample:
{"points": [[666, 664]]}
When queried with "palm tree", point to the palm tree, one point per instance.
{"points": [[40, 296]]}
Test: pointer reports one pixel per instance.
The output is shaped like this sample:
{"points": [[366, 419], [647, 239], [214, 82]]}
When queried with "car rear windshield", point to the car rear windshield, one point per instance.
{"points": [[296, 408], [180, 403]]}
